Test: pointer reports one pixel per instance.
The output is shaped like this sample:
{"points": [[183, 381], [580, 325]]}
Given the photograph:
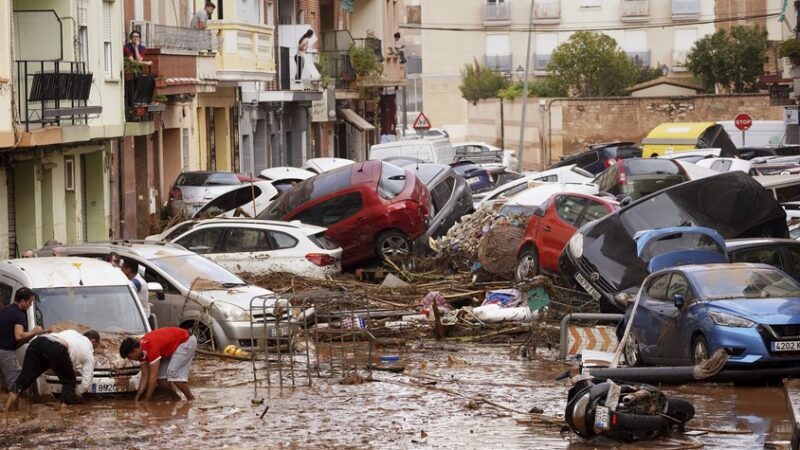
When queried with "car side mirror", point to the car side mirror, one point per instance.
{"points": [[679, 301], [158, 289]]}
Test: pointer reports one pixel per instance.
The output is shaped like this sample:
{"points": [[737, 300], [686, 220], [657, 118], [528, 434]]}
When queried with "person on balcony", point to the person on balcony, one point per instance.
{"points": [[302, 47], [398, 48], [134, 50], [201, 18]]}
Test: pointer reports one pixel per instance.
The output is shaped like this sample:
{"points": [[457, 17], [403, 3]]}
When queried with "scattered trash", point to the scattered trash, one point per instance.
{"points": [[496, 313], [506, 298], [233, 350], [392, 281], [431, 298]]}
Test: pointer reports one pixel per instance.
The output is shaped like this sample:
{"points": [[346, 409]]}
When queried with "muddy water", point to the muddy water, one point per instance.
{"points": [[408, 410]]}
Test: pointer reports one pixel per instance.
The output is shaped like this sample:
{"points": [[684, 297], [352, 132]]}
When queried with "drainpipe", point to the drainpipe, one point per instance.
{"points": [[521, 156]]}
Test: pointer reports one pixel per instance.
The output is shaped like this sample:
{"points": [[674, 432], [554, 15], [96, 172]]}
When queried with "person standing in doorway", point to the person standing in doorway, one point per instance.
{"points": [[166, 357], [13, 333], [302, 47], [201, 18]]}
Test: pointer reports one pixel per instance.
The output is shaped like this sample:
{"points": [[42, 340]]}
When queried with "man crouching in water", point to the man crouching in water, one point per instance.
{"points": [[165, 356]]}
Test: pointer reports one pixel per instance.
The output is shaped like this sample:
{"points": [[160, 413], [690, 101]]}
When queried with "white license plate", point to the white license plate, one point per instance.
{"points": [[103, 388], [473, 180], [601, 418], [279, 332], [786, 346], [585, 284]]}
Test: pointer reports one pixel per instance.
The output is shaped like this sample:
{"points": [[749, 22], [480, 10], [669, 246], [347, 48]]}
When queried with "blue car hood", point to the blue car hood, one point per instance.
{"points": [[773, 311], [674, 246]]}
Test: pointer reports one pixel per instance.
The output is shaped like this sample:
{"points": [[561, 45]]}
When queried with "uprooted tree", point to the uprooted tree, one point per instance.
{"points": [[479, 83], [592, 65], [729, 60]]}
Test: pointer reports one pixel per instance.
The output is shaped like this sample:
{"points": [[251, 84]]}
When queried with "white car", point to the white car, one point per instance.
{"points": [[283, 178], [239, 202], [566, 174], [259, 246], [529, 200], [726, 164], [320, 165]]}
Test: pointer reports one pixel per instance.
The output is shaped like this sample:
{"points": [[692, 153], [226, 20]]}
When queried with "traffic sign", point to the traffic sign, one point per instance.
{"points": [[421, 122], [743, 121]]}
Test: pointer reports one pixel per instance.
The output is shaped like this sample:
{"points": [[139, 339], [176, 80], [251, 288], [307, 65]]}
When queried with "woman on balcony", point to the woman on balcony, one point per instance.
{"points": [[302, 47], [134, 50]]}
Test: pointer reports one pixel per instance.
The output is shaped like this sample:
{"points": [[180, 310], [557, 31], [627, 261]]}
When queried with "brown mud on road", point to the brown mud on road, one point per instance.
{"points": [[435, 403]]}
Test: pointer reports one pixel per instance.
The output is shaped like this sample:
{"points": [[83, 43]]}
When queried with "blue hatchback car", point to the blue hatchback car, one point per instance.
{"points": [[686, 313]]}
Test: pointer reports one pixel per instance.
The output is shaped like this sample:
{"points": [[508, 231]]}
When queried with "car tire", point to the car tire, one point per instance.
{"points": [[203, 334], [633, 357], [699, 350], [391, 244], [527, 265]]}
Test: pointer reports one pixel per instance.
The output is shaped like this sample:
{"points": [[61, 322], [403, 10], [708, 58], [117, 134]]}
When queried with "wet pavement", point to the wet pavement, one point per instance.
{"points": [[431, 405]]}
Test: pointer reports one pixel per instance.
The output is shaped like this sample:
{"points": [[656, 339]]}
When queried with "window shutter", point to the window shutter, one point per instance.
{"points": [[107, 22]]}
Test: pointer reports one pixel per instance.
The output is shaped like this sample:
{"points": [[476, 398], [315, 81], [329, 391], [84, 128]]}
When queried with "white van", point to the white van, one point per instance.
{"points": [[437, 151], [761, 133], [785, 188], [80, 293]]}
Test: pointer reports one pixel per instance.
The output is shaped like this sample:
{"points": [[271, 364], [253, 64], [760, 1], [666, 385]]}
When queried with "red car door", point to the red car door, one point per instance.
{"points": [[557, 227]]}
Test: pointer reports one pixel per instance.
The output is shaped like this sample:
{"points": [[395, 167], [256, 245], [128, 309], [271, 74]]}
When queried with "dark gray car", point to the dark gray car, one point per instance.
{"points": [[451, 198]]}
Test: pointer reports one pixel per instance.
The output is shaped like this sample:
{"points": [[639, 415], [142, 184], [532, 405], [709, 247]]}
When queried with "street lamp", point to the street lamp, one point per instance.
{"points": [[520, 72]]}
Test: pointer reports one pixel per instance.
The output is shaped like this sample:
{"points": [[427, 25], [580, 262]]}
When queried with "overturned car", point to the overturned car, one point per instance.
{"points": [[601, 257]]}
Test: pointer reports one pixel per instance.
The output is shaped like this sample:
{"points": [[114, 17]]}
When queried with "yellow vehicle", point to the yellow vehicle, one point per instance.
{"points": [[669, 138]]}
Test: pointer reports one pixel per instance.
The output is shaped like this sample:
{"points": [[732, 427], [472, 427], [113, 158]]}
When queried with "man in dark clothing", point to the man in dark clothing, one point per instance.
{"points": [[13, 333]]}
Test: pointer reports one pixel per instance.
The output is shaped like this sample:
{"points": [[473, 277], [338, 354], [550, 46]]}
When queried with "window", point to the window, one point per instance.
{"points": [[107, 51], [685, 39], [658, 287], [679, 286], [594, 211], [245, 240], [721, 165], [787, 193], [270, 14], [545, 44], [523, 186], [635, 40], [764, 255], [83, 36], [794, 255], [201, 241], [151, 276], [497, 44], [5, 294], [331, 211], [282, 241], [587, 159], [441, 193], [69, 174], [568, 208]]}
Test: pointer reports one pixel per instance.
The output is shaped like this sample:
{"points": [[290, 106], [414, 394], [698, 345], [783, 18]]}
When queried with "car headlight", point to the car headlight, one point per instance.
{"points": [[727, 320], [576, 245], [232, 313]]}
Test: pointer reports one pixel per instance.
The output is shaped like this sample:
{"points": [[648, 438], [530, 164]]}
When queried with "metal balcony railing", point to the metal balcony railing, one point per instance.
{"points": [[335, 57], [496, 12], [500, 63], [635, 9], [53, 93], [640, 58], [546, 9], [685, 9]]}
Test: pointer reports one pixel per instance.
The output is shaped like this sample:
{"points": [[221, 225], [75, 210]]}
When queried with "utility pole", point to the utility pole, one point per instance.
{"points": [[521, 155]]}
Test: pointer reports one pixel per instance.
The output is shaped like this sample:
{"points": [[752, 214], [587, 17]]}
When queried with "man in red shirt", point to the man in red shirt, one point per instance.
{"points": [[165, 357]]}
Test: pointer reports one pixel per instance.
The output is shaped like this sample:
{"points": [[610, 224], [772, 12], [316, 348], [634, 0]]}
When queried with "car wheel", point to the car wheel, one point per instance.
{"points": [[203, 334], [632, 355], [527, 266], [699, 350], [391, 244]]}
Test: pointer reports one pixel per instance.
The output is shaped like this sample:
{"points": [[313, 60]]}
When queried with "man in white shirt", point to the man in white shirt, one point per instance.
{"points": [[131, 270], [63, 352]]}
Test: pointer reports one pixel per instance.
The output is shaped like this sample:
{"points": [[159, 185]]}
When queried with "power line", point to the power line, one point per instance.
{"points": [[525, 29]]}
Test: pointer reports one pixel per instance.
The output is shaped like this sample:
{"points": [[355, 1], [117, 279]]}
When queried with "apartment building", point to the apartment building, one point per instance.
{"points": [[61, 122]]}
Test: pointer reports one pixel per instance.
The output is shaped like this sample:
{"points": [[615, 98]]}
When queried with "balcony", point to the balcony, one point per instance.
{"points": [[546, 11], [640, 58], [496, 14], [245, 51], [498, 63], [175, 40], [635, 10], [335, 59], [182, 73], [540, 62], [53, 93], [685, 9]]}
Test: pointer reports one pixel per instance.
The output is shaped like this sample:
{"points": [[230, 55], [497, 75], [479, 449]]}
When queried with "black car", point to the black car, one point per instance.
{"points": [[599, 157], [602, 255], [766, 151], [781, 253]]}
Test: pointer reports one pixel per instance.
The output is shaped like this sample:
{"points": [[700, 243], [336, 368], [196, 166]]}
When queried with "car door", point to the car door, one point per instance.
{"points": [[556, 228], [651, 319], [349, 223], [203, 241], [680, 323]]}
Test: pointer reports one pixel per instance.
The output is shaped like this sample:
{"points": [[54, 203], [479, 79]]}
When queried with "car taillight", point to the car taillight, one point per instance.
{"points": [[175, 193], [622, 178], [610, 162], [320, 259]]}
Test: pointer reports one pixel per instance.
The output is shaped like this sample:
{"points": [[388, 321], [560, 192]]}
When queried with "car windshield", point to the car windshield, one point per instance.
{"points": [[194, 269], [314, 187], [392, 182], [180, 229], [207, 179], [110, 309], [745, 282]]}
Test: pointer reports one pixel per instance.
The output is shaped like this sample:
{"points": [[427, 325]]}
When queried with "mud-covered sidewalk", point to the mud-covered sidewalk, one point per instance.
{"points": [[450, 396]]}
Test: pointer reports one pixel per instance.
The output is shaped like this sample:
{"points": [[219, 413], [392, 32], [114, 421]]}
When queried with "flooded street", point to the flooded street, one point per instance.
{"points": [[435, 403]]}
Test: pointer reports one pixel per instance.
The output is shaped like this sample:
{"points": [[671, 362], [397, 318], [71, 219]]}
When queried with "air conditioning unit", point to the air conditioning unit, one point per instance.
{"points": [[144, 28]]}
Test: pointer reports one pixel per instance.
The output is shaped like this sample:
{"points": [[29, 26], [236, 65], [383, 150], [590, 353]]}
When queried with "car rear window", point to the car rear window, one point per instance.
{"points": [[392, 181], [207, 179], [323, 242], [628, 152], [651, 166], [314, 187]]}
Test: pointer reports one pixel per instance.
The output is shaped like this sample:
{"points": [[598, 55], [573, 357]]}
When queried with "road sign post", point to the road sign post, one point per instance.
{"points": [[743, 122]]}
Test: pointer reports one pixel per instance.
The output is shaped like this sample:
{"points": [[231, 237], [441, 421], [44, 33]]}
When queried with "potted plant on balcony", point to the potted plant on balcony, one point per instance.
{"points": [[790, 48], [161, 81], [160, 98], [131, 69]]}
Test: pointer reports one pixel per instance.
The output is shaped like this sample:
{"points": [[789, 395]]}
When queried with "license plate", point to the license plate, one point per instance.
{"points": [[473, 180], [585, 284], [279, 332], [601, 418], [786, 346], [103, 388]]}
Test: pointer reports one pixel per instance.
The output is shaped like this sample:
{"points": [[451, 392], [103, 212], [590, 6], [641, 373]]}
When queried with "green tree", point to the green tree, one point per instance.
{"points": [[546, 87], [479, 83], [648, 73], [730, 61], [592, 65]]}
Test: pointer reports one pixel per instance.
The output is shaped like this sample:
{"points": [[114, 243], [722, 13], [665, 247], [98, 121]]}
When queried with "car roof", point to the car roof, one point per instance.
{"points": [[741, 243], [694, 268], [285, 172], [409, 143], [769, 181], [149, 250], [428, 172], [275, 224], [63, 271]]}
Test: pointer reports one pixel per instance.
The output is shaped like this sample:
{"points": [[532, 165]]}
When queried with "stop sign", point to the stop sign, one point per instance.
{"points": [[743, 121]]}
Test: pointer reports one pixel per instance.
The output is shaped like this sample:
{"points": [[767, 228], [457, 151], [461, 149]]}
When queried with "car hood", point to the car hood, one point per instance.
{"points": [[773, 311], [239, 295]]}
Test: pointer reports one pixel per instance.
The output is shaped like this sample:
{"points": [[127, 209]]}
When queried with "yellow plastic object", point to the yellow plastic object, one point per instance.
{"points": [[670, 138], [235, 351]]}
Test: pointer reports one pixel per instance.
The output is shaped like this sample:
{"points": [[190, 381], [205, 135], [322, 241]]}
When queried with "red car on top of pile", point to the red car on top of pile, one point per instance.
{"points": [[552, 225], [370, 208]]}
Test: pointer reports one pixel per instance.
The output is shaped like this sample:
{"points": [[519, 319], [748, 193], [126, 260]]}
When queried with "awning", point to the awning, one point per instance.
{"points": [[355, 120]]}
